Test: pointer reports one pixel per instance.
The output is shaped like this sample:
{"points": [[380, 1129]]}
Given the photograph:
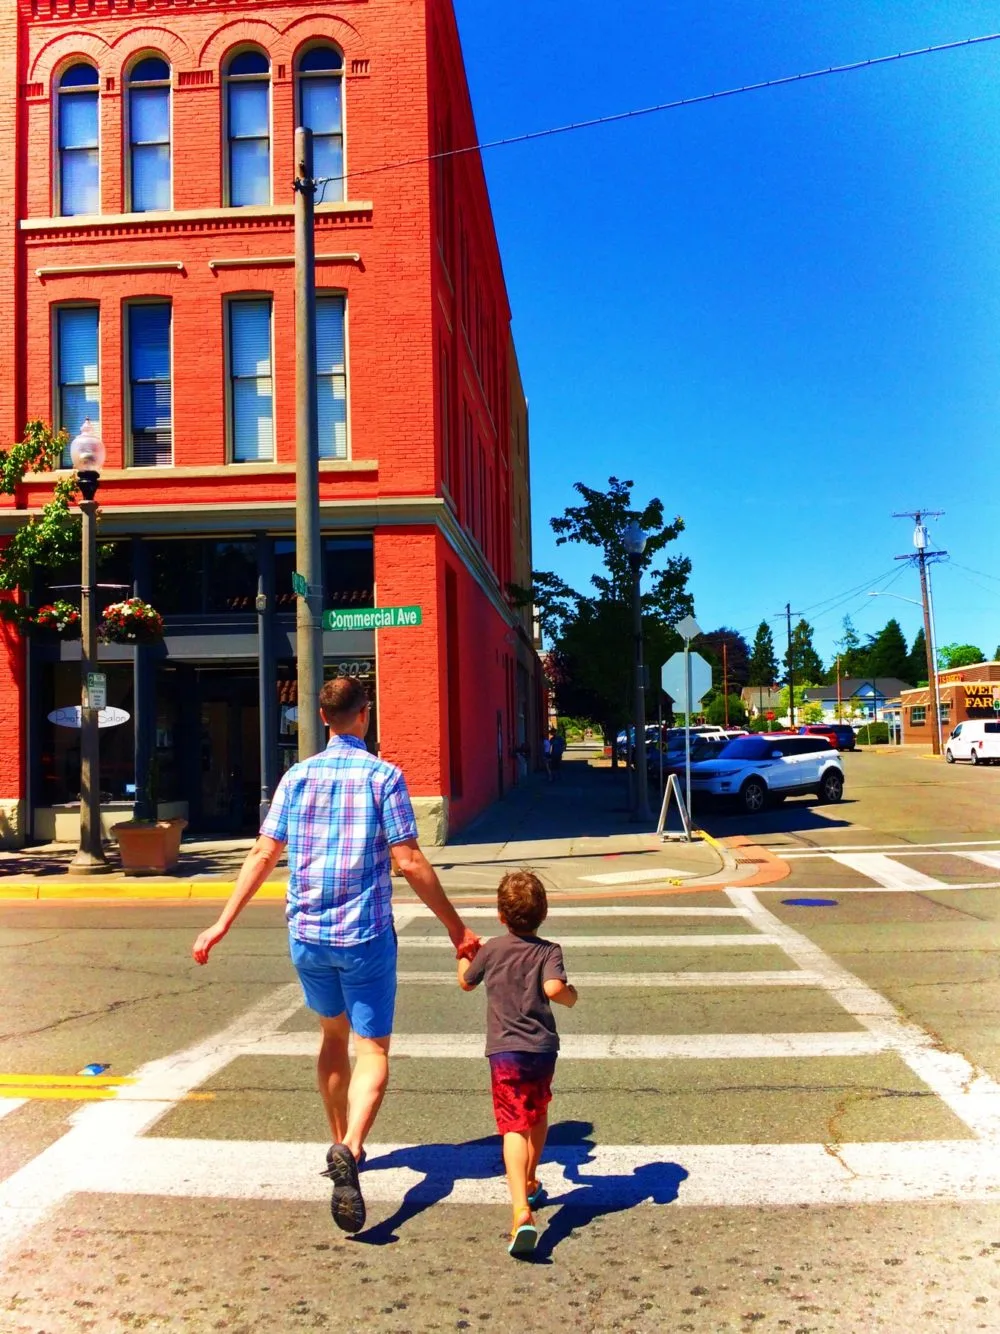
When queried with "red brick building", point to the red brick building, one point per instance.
{"points": [[963, 693], [146, 281]]}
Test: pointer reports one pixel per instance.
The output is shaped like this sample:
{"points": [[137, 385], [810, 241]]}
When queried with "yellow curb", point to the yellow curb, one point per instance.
{"points": [[133, 891]]}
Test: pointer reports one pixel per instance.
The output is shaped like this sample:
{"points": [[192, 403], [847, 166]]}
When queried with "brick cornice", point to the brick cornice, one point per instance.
{"points": [[196, 221], [58, 11]]}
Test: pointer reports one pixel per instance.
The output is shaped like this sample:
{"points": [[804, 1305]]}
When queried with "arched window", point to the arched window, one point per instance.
{"points": [[149, 134], [79, 178], [321, 109], [248, 128]]}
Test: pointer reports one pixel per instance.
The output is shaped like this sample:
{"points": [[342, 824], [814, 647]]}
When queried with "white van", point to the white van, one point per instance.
{"points": [[976, 741]]}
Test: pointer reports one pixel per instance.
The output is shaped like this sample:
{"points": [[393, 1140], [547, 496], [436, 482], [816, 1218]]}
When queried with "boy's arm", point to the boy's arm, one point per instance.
{"points": [[561, 993]]}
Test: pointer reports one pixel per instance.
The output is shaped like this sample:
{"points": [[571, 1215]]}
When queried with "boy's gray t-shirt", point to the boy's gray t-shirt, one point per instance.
{"points": [[519, 1016]]}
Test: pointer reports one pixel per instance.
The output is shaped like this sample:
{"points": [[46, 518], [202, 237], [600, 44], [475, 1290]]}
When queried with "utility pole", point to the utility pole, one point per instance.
{"points": [[923, 558], [791, 666], [308, 555], [725, 680]]}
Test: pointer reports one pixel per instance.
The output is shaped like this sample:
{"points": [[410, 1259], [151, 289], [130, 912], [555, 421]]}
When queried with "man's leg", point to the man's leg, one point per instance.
{"points": [[367, 1089], [333, 1071]]}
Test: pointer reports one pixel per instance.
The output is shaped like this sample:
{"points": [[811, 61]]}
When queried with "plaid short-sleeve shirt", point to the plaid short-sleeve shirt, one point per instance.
{"points": [[340, 812]]}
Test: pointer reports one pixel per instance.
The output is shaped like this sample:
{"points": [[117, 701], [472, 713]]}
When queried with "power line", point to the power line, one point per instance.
{"points": [[674, 105]]}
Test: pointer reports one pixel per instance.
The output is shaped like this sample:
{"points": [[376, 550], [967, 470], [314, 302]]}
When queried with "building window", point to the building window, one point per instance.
{"points": [[918, 715], [79, 182], [78, 394], [248, 129], [151, 428], [149, 135], [251, 388], [331, 378], [321, 109]]}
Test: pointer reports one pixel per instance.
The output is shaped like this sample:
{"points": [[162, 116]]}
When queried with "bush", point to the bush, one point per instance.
{"points": [[873, 734]]}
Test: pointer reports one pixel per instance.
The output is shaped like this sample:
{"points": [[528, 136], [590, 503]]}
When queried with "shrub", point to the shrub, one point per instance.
{"points": [[873, 734]]}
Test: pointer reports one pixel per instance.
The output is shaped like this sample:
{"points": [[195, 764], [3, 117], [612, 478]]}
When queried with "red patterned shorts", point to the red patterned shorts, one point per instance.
{"points": [[522, 1088]]}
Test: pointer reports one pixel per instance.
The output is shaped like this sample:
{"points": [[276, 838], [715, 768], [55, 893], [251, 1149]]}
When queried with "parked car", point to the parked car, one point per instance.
{"points": [[758, 771], [976, 741], [674, 760], [840, 735]]}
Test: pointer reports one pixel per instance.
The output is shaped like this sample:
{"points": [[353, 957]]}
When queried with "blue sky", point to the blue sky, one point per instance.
{"points": [[779, 312]]}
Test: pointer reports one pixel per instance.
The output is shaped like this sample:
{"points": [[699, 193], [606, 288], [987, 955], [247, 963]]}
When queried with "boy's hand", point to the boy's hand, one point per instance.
{"points": [[206, 942], [467, 946]]}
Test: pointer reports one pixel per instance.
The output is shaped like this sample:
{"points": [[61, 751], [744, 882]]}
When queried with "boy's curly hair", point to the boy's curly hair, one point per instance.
{"points": [[521, 902]]}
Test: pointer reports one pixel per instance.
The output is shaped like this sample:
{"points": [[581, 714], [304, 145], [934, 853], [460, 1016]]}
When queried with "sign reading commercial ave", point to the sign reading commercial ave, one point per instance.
{"points": [[372, 618]]}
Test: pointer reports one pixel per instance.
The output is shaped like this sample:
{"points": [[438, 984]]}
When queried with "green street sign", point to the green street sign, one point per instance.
{"points": [[373, 618], [299, 585]]}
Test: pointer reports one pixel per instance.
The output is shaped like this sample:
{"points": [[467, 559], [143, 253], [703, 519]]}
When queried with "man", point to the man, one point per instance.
{"points": [[340, 813]]}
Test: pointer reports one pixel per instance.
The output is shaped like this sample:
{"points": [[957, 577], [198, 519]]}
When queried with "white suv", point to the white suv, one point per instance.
{"points": [[763, 770]]}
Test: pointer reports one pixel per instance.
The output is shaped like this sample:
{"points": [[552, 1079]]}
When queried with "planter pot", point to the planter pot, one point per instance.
{"points": [[149, 847]]}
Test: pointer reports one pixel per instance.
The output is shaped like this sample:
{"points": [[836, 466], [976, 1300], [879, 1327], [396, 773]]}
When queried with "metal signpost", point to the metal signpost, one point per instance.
{"points": [[687, 675]]}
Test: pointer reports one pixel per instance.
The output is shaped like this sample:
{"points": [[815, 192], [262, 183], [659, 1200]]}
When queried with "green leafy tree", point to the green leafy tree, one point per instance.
{"points": [[784, 700], [591, 662], [762, 668], [811, 712], [802, 656], [916, 666], [44, 541], [852, 654], [888, 655], [734, 716], [959, 655]]}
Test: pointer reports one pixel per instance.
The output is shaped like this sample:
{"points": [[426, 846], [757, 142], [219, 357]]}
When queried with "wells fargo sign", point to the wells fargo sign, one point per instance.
{"points": [[981, 697]]}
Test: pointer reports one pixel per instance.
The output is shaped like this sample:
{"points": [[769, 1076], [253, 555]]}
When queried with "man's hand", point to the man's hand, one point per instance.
{"points": [[467, 945], [207, 941]]}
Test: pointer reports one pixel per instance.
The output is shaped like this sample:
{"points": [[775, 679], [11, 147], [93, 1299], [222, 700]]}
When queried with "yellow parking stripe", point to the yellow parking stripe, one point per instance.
{"points": [[78, 1094], [83, 1081]]}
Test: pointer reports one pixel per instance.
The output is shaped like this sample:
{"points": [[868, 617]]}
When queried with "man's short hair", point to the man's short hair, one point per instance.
{"points": [[342, 699], [521, 902]]}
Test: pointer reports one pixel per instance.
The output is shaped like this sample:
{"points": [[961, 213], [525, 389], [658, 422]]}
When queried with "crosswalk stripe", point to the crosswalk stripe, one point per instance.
{"points": [[693, 1175], [599, 910], [887, 870], [825, 849], [984, 858], [441, 942], [784, 977], [614, 1047]]}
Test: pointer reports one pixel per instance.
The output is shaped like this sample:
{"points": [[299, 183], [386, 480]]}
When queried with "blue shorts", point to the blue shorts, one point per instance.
{"points": [[360, 979]]}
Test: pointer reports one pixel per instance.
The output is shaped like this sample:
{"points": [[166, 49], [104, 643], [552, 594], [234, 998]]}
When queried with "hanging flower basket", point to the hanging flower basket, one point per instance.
{"points": [[58, 618], [130, 622]]}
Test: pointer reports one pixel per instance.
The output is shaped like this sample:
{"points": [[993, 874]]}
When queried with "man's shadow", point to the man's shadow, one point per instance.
{"points": [[569, 1144]]}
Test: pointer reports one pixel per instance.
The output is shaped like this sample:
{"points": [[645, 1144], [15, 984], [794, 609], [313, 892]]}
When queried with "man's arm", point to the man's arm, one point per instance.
{"points": [[422, 879], [260, 861]]}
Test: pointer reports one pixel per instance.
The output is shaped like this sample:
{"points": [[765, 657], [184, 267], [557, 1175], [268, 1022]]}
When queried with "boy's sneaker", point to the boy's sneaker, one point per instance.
{"points": [[347, 1203]]}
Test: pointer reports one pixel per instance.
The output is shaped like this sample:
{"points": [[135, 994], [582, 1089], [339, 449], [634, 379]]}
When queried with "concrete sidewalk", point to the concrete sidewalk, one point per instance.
{"points": [[575, 832]]}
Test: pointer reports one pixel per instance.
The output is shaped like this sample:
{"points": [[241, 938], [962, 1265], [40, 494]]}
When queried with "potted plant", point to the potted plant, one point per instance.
{"points": [[130, 622], [153, 846], [58, 618]]}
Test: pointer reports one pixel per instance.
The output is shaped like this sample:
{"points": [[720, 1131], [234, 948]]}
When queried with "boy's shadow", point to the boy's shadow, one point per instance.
{"points": [[569, 1144]]}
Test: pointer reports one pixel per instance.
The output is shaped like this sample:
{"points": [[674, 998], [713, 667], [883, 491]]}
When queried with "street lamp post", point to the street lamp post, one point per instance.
{"points": [[87, 453], [635, 545]]}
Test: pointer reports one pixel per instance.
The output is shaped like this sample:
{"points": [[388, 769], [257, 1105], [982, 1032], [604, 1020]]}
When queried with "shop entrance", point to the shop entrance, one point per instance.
{"points": [[230, 752]]}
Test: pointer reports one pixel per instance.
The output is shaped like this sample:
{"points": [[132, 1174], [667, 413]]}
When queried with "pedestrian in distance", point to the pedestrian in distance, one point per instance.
{"points": [[524, 976], [344, 815], [557, 744], [547, 757]]}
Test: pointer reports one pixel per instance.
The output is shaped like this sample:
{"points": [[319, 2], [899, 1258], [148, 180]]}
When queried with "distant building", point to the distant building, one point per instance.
{"points": [[857, 700], [759, 701], [963, 693]]}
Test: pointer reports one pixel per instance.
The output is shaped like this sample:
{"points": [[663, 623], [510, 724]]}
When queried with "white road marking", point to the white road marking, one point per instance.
{"points": [[613, 1046], [970, 1093], [984, 858], [783, 977], [812, 892], [441, 942], [692, 1175], [8, 1105], [886, 870], [822, 851], [629, 877]]}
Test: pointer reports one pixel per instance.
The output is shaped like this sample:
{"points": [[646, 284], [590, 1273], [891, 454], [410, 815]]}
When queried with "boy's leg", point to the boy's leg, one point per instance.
{"points": [[536, 1143], [515, 1160], [333, 1069]]}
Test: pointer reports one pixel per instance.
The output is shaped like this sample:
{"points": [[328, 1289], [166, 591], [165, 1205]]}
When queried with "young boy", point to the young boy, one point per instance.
{"points": [[523, 974]]}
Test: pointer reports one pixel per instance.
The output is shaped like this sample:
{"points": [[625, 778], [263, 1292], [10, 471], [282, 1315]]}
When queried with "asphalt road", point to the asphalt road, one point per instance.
{"points": [[767, 1116]]}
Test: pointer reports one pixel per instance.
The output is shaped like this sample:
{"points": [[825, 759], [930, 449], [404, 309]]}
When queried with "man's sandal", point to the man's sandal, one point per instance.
{"points": [[524, 1234], [347, 1204]]}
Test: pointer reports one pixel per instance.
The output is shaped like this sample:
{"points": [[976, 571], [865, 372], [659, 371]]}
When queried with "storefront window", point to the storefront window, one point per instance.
{"points": [[114, 578], [231, 568], [177, 576], [59, 762], [348, 572], [918, 715]]}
